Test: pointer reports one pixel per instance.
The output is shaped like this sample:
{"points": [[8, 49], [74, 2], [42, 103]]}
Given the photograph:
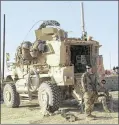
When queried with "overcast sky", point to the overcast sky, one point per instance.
{"points": [[101, 20]]}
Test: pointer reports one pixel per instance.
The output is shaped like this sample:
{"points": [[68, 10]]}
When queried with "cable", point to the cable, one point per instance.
{"points": [[52, 22], [31, 28]]}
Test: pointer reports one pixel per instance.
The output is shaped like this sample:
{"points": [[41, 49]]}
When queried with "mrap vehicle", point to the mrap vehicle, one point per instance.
{"points": [[50, 68]]}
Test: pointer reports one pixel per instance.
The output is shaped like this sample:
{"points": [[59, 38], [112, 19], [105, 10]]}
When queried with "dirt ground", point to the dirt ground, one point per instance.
{"points": [[29, 113]]}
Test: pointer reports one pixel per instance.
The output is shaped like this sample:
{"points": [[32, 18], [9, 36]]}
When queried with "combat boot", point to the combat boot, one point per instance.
{"points": [[89, 117], [93, 116]]}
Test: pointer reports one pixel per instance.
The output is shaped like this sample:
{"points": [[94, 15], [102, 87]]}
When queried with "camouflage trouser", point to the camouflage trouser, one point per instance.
{"points": [[89, 100], [107, 102]]}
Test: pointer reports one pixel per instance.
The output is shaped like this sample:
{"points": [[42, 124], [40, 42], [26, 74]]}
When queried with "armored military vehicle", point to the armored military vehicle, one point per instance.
{"points": [[50, 68]]}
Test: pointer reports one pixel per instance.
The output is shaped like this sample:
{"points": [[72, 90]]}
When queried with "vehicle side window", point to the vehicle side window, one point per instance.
{"points": [[48, 48]]}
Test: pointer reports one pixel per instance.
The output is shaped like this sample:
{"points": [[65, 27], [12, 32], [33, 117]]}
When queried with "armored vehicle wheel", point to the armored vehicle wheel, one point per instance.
{"points": [[49, 97], [11, 96]]}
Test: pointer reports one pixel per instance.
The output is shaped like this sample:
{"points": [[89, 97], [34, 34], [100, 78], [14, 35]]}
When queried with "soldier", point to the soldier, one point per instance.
{"points": [[39, 45], [105, 98], [89, 83]]}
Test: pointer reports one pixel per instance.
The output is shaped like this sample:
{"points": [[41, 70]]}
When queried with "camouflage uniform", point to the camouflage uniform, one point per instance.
{"points": [[89, 82], [106, 99], [39, 45]]}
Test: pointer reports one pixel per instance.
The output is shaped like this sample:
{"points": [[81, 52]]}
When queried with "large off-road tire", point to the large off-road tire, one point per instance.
{"points": [[11, 96], [49, 96]]}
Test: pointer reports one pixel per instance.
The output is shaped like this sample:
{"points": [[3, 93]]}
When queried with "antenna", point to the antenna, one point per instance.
{"points": [[82, 18], [82, 22], [3, 48], [31, 28]]}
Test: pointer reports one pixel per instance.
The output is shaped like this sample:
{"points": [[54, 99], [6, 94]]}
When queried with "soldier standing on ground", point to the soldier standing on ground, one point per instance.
{"points": [[105, 98], [89, 83]]}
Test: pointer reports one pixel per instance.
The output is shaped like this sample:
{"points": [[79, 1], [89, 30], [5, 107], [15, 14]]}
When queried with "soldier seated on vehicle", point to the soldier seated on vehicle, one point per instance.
{"points": [[105, 97]]}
